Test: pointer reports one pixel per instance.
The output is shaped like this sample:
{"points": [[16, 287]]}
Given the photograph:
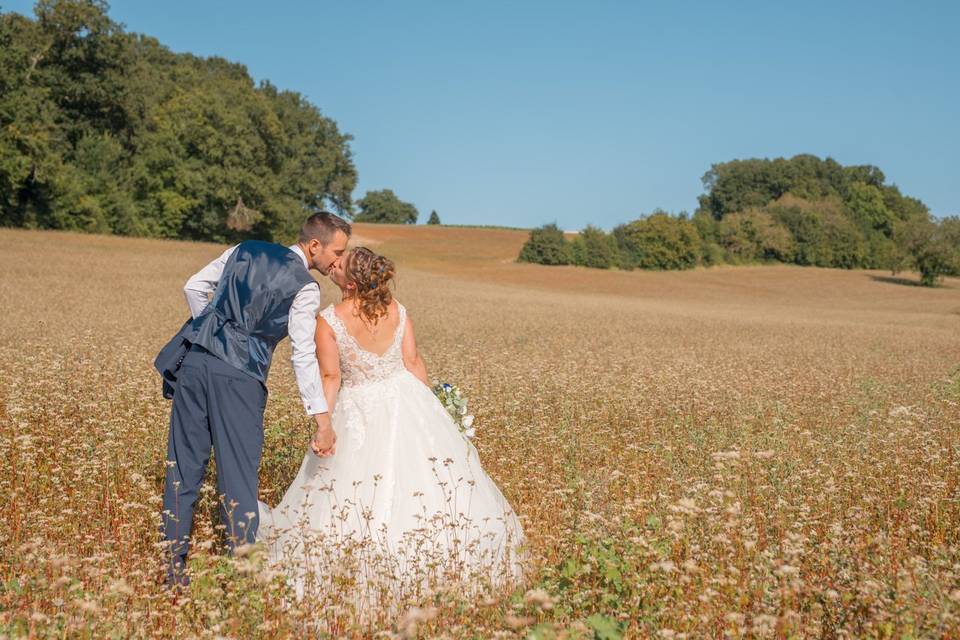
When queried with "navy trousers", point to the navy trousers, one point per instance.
{"points": [[219, 405]]}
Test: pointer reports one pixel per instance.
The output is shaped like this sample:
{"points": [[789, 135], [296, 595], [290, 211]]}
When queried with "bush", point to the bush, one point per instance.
{"points": [[754, 235], [710, 251], [577, 251], [434, 218], [882, 252], [711, 254], [845, 243], [594, 248], [660, 241], [546, 245], [824, 236]]}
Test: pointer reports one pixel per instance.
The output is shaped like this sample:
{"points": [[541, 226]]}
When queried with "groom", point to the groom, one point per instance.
{"points": [[262, 292]]}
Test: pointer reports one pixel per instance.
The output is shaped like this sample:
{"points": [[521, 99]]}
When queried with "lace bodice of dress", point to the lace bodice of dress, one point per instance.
{"points": [[359, 366]]}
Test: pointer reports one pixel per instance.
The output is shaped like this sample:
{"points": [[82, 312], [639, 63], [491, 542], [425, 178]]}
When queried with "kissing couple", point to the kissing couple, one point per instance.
{"points": [[389, 492]]}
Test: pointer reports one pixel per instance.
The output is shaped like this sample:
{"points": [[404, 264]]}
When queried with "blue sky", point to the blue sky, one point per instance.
{"points": [[520, 113]]}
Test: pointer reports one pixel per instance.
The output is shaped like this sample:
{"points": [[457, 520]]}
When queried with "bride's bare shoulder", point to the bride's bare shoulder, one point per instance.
{"points": [[324, 319]]}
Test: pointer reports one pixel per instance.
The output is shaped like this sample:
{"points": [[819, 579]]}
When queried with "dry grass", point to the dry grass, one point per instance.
{"points": [[735, 452]]}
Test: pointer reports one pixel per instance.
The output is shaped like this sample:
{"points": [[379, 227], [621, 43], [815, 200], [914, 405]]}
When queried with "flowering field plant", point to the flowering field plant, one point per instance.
{"points": [[456, 405]]}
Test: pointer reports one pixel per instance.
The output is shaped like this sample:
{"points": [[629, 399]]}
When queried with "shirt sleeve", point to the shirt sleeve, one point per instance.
{"points": [[302, 327], [204, 282]]}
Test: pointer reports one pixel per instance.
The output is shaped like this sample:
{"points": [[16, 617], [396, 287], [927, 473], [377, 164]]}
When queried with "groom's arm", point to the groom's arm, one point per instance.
{"points": [[302, 327], [204, 282]]}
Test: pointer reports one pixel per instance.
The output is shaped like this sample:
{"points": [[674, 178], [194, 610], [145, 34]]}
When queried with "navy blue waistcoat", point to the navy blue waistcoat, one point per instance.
{"points": [[248, 314]]}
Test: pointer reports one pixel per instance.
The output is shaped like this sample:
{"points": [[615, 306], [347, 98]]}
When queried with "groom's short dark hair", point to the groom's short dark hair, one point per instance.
{"points": [[322, 226]]}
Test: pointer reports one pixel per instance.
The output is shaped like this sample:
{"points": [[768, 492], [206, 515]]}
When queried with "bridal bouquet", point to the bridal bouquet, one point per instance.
{"points": [[456, 405]]}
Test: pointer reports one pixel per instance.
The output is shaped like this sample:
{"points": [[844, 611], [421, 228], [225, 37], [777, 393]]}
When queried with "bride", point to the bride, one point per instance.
{"points": [[400, 504]]}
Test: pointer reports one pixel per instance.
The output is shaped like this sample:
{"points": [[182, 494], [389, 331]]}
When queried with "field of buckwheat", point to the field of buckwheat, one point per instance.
{"points": [[752, 452]]}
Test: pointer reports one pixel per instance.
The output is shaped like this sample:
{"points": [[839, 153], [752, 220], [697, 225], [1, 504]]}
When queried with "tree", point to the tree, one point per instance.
{"points": [[949, 232], [741, 184], [753, 235], [823, 235], [710, 251], [434, 218], [838, 216], [867, 207], [594, 248], [934, 248], [386, 208], [111, 132], [546, 245], [659, 241]]}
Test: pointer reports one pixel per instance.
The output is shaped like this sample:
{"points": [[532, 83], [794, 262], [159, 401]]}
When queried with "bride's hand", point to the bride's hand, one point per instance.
{"points": [[324, 441]]}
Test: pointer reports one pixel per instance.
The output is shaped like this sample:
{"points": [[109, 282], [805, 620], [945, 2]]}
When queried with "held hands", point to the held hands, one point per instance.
{"points": [[324, 442]]}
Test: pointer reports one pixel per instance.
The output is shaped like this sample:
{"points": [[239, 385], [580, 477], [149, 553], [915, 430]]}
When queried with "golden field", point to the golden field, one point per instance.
{"points": [[744, 452]]}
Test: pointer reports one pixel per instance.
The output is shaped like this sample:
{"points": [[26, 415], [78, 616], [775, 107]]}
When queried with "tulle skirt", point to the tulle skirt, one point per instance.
{"points": [[402, 507]]}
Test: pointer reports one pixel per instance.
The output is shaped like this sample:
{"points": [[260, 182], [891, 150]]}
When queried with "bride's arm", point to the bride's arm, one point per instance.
{"points": [[329, 359], [411, 358]]}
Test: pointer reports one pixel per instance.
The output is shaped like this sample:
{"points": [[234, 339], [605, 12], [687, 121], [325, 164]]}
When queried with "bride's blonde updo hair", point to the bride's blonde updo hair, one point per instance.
{"points": [[372, 274]]}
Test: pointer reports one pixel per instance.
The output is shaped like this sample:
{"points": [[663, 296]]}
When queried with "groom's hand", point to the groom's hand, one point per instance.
{"points": [[324, 441]]}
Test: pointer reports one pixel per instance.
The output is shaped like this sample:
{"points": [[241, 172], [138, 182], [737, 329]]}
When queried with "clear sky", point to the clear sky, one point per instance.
{"points": [[521, 113]]}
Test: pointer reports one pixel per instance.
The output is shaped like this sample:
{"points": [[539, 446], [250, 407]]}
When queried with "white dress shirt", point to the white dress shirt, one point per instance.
{"points": [[301, 325]]}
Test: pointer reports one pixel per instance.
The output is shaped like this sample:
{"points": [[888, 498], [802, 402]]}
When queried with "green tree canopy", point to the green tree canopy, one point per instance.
{"points": [[434, 218], [546, 245], [385, 207], [836, 216], [822, 235], [594, 248], [802, 210], [659, 241], [107, 131], [753, 235], [934, 248]]}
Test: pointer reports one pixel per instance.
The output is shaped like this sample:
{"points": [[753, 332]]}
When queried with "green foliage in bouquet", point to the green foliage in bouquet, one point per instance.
{"points": [[456, 405]]}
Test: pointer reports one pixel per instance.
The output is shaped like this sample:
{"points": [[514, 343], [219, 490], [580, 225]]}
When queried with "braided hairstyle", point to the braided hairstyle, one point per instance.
{"points": [[372, 274]]}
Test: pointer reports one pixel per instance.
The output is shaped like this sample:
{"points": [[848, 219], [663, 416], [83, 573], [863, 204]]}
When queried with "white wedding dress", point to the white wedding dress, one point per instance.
{"points": [[403, 505]]}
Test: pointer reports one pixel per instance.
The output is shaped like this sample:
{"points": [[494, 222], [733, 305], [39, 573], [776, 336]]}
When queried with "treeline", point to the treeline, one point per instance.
{"points": [[801, 210], [107, 131]]}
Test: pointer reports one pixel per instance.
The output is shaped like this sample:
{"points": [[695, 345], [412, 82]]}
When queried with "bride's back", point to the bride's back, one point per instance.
{"points": [[371, 357], [375, 338]]}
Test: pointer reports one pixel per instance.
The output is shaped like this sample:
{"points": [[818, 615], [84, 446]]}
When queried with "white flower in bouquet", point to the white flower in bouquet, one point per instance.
{"points": [[456, 406]]}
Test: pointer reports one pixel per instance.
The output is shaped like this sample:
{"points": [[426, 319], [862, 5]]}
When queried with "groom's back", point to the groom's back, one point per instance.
{"points": [[247, 316]]}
